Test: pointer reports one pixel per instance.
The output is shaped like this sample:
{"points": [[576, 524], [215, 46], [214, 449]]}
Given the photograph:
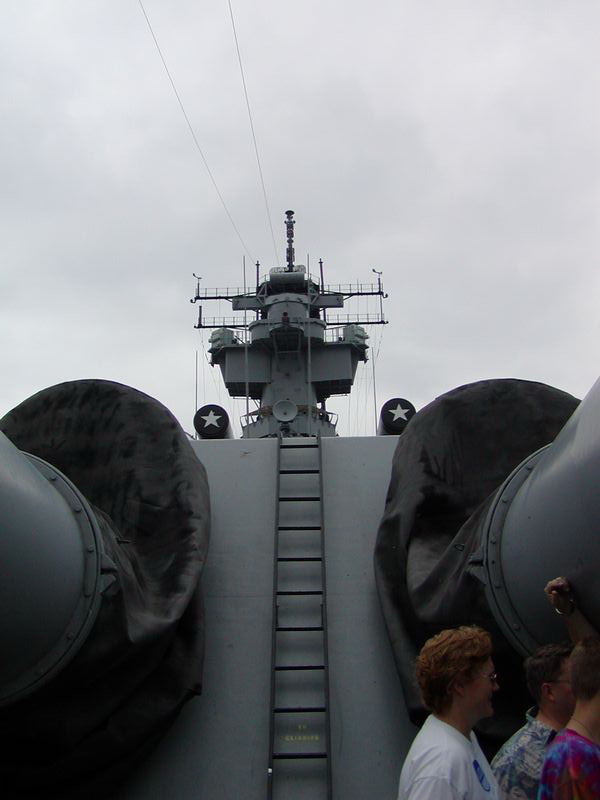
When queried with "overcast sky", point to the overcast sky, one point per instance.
{"points": [[453, 145]]}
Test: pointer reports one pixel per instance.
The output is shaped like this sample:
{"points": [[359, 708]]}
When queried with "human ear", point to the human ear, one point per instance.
{"points": [[546, 691]]}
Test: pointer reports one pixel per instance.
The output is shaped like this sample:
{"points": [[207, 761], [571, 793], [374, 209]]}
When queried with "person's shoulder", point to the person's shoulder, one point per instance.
{"points": [[568, 748], [511, 747], [439, 730], [580, 749], [434, 732], [569, 741], [436, 751], [436, 741], [518, 764], [524, 749], [557, 750], [580, 742], [572, 762], [444, 764]]}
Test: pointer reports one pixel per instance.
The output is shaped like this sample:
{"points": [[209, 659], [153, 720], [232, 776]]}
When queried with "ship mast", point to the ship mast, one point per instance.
{"points": [[290, 253]]}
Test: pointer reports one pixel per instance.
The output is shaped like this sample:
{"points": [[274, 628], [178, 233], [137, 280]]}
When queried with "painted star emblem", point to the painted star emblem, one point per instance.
{"points": [[399, 412], [211, 419]]}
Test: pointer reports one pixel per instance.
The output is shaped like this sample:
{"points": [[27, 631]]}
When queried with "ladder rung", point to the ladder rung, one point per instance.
{"points": [[297, 709], [299, 528], [298, 499], [304, 592], [298, 471], [299, 628], [299, 667], [299, 558], [299, 755]]}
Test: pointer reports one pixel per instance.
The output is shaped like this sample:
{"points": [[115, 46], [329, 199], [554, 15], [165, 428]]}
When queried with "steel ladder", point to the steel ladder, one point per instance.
{"points": [[299, 763]]}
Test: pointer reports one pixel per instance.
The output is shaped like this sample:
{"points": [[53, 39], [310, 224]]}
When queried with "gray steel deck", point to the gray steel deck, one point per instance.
{"points": [[218, 747]]}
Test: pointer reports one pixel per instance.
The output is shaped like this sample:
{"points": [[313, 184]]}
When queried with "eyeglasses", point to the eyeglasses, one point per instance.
{"points": [[491, 676]]}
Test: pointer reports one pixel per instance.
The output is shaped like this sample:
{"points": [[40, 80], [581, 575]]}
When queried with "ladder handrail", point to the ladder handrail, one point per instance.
{"points": [[324, 624], [274, 623]]}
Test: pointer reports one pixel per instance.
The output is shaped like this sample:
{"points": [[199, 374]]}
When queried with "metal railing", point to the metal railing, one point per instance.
{"points": [[333, 321], [340, 320], [267, 411], [346, 289]]}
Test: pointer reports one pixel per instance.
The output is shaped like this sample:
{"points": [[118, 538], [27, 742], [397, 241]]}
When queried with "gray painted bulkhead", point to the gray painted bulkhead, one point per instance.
{"points": [[218, 747]]}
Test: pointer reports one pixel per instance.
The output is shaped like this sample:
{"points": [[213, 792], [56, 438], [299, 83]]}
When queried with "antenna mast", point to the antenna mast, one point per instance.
{"points": [[289, 224]]}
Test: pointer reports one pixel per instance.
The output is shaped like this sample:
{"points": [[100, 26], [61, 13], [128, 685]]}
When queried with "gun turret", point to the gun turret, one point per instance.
{"points": [[491, 495], [544, 522], [50, 558], [104, 523]]}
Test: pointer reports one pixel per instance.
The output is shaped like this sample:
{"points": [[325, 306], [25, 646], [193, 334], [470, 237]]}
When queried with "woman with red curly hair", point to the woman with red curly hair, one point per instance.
{"points": [[457, 680]]}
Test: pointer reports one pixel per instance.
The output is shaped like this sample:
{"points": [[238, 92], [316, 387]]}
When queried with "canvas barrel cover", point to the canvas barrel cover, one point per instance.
{"points": [[452, 457], [79, 734]]}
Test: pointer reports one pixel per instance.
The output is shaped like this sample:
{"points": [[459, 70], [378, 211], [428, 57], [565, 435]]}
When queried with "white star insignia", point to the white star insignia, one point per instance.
{"points": [[399, 412], [211, 419]]}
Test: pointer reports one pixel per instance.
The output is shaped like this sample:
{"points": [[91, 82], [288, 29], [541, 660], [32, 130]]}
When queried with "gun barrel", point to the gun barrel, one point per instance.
{"points": [[394, 416], [50, 558], [545, 522]]}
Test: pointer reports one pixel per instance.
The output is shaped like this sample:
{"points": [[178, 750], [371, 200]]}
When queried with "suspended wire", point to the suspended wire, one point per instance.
{"points": [[366, 411], [356, 397], [364, 399], [216, 383], [194, 137], [260, 172]]}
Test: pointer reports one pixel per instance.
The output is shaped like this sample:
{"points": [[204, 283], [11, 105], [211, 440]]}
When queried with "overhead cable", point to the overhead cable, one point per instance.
{"points": [[194, 137], [260, 172]]}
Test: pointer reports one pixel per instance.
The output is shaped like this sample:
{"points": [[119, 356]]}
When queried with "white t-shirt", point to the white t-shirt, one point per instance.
{"points": [[442, 764]]}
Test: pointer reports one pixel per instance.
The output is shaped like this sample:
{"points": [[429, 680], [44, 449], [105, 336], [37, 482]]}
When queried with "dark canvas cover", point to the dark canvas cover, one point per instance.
{"points": [[452, 457], [85, 729]]}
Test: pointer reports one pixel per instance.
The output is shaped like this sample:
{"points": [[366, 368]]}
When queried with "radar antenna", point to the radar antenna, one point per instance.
{"points": [[290, 253]]}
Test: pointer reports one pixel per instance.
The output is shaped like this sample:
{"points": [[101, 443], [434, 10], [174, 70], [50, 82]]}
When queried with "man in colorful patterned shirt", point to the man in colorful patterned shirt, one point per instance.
{"points": [[518, 764], [571, 768]]}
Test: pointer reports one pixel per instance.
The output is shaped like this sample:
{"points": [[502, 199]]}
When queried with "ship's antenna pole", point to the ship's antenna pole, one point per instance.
{"points": [[374, 391], [198, 279], [322, 287], [379, 274], [308, 370], [246, 432], [257, 283], [196, 401], [289, 224]]}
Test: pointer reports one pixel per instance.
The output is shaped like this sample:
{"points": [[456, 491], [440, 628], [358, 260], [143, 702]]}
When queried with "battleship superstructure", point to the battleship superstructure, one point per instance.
{"points": [[292, 356]]}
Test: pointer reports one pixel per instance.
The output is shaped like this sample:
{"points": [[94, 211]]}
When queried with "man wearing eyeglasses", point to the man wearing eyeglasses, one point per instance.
{"points": [[518, 764]]}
